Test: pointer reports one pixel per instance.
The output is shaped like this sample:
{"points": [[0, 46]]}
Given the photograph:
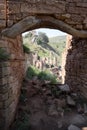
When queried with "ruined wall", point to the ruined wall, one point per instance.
{"points": [[2, 14], [72, 12], [76, 65], [64, 56], [11, 76]]}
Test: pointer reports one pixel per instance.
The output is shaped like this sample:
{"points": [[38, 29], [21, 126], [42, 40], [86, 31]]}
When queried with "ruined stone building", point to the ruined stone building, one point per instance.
{"points": [[18, 16]]}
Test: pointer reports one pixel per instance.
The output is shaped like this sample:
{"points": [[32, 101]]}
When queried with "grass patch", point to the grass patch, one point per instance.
{"points": [[46, 75], [31, 72], [41, 75]]}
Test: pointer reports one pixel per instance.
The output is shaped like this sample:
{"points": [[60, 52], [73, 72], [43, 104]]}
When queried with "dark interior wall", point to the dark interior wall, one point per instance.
{"points": [[76, 65]]}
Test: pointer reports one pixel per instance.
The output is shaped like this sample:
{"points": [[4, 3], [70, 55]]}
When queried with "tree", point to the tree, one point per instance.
{"points": [[42, 38]]}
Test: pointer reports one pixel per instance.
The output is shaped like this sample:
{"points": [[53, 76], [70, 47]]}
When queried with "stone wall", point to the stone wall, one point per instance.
{"points": [[2, 14], [11, 76], [72, 12], [64, 56], [41, 63], [76, 65]]}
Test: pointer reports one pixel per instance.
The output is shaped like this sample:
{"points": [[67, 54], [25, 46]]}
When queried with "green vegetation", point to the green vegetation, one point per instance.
{"points": [[42, 38], [31, 72], [46, 75], [58, 43], [41, 75], [26, 49], [42, 52], [43, 45], [3, 54]]}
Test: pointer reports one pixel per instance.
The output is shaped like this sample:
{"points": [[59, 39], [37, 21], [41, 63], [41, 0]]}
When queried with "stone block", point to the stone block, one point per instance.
{"points": [[4, 81], [2, 6], [2, 24], [3, 97], [77, 10], [43, 8], [4, 64], [2, 14], [2, 1], [4, 88], [13, 8], [3, 43], [4, 71], [9, 23], [85, 21], [79, 26], [66, 15], [82, 4], [77, 18]]}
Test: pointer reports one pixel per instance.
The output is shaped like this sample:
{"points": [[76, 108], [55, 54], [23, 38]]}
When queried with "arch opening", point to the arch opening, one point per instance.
{"points": [[47, 45]]}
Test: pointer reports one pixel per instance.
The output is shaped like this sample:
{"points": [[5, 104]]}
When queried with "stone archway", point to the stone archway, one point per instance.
{"points": [[18, 16], [66, 15]]}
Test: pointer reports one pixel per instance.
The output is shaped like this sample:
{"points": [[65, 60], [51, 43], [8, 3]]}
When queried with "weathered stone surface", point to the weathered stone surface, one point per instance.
{"points": [[64, 88], [15, 11], [70, 101], [11, 76], [76, 70], [79, 120], [71, 12], [2, 23], [73, 127]]}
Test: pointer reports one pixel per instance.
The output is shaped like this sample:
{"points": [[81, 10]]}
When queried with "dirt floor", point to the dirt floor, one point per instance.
{"points": [[45, 106]]}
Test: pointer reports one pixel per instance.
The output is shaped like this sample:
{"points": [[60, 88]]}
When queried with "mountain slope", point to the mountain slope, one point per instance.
{"points": [[55, 45]]}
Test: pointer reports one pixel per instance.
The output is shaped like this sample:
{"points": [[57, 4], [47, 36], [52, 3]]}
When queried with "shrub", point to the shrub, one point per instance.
{"points": [[26, 49], [41, 75], [31, 72]]}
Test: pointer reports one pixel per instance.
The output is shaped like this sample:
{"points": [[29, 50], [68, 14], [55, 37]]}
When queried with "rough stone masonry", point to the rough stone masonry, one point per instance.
{"points": [[18, 16]]}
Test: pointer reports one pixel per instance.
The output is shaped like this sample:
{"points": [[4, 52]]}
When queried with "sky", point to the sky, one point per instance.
{"points": [[50, 32]]}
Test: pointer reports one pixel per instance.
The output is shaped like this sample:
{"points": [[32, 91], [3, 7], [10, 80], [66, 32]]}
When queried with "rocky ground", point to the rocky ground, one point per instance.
{"points": [[46, 106]]}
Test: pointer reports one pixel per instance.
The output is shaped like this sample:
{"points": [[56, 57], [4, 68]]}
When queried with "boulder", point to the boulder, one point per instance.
{"points": [[73, 127], [79, 120], [70, 101], [52, 110], [64, 88]]}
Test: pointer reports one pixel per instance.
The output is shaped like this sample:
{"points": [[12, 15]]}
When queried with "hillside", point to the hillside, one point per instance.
{"points": [[58, 38], [55, 45], [58, 43]]}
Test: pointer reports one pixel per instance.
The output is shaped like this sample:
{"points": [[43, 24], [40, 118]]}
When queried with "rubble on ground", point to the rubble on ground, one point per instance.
{"points": [[52, 106]]}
